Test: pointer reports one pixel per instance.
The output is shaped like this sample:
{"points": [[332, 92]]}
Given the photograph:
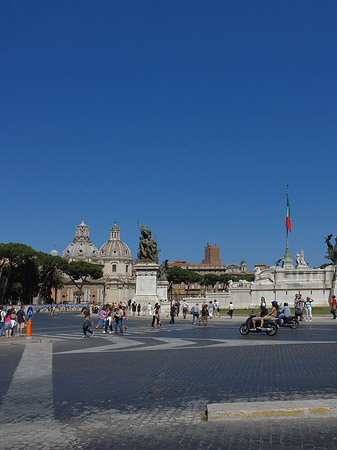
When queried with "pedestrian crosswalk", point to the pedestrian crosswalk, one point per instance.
{"points": [[76, 334]]}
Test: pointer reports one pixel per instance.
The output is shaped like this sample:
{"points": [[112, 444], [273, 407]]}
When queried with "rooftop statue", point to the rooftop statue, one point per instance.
{"points": [[332, 250], [299, 258], [148, 250]]}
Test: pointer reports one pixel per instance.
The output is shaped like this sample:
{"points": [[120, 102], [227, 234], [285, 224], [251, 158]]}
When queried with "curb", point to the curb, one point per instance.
{"points": [[301, 409]]}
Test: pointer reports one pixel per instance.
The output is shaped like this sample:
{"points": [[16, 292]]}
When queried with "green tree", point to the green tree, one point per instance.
{"points": [[80, 271], [50, 274], [189, 278], [224, 279], [209, 279], [175, 275], [18, 265]]}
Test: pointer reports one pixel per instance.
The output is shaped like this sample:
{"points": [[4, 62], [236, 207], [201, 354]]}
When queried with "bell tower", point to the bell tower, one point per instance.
{"points": [[115, 233]]}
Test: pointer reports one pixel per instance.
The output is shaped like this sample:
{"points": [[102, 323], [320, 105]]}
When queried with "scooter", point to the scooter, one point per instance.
{"points": [[269, 327], [290, 322]]}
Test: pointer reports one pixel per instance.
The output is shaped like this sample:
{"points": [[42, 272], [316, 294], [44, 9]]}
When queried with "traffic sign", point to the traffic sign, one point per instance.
{"points": [[29, 312]]}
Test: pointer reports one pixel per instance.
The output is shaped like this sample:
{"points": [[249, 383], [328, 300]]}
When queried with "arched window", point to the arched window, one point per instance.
{"points": [[113, 268]]}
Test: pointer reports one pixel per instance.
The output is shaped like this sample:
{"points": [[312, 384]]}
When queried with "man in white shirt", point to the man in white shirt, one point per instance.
{"points": [[185, 308]]}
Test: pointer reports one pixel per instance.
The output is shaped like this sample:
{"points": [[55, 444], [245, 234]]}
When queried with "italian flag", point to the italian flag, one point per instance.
{"points": [[288, 222]]}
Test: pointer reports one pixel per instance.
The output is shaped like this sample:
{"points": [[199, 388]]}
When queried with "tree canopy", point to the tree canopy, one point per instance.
{"points": [[26, 273]]}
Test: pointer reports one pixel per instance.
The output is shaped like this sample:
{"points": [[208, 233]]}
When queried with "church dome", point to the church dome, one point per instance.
{"points": [[115, 248], [81, 248], [54, 252]]}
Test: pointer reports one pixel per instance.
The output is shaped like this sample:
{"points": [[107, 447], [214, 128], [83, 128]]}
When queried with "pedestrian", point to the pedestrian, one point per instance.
{"points": [[333, 307], [204, 314], [156, 316], [108, 321], [177, 305], [172, 312], [134, 308], [298, 303], [124, 319], [210, 309], [308, 309], [149, 309], [2, 320], [217, 308], [14, 323], [139, 307], [118, 315], [185, 308], [195, 312], [101, 317], [129, 304], [8, 324], [230, 310], [21, 320], [87, 323]]}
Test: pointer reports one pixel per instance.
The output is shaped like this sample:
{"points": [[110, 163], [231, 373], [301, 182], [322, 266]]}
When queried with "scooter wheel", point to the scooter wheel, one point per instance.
{"points": [[244, 330], [271, 330], [294, 324]]}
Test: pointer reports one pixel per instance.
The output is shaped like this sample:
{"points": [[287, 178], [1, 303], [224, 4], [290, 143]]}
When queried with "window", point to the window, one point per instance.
{"points": [[113, 268], [126, 268]]}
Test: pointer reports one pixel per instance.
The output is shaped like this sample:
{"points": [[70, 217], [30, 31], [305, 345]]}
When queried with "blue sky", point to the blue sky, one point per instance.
{"points": [[189, 116]]}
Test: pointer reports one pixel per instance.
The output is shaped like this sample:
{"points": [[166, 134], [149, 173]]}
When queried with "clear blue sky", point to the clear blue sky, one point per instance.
{"points": [[189, 116]]}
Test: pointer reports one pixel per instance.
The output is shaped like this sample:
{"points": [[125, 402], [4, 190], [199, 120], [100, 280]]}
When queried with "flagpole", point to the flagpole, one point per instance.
{"points": [[287, 254], [287, 261]]}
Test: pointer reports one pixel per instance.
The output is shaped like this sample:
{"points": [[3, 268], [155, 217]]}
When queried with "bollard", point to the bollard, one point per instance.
{"points": [[29, 330]]}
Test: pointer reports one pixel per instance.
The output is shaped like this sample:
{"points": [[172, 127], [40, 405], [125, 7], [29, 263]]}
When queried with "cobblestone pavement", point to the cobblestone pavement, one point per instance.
{"points": [[150, 387]]}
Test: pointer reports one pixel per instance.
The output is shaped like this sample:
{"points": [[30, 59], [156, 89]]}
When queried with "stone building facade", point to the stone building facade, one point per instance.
{"points": [[114, 256]]}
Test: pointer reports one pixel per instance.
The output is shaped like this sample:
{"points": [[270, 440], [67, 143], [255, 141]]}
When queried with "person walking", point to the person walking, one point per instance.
{"points": [[333, 307], [134, 308], [217, 308], [308, 309], [210, 309], [87, 323], [139, 307], [149, 309], [172, 312], [185, 308], [230, 310], [195, 312], [204, 314], [101, 318]]}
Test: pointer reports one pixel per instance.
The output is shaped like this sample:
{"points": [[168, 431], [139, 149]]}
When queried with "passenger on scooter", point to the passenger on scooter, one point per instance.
{"points": [[258, 317], [272, 314], [284, 313]]}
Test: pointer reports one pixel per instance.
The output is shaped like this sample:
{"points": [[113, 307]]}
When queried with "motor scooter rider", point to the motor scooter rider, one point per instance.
{"points": [[272, 314], [284, 313], [258, 317]]}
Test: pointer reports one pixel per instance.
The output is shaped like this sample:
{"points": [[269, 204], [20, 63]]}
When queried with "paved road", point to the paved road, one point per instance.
{"points": [[150, 387]]}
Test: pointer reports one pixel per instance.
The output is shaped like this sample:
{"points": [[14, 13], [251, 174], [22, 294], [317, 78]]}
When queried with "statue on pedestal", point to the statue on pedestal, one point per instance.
{"points": [[148, 250], [299, 258], [332, 250]]}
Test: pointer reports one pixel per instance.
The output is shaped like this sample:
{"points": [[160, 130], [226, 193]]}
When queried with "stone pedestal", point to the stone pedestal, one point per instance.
{"points": [[162, 287], [146, 283]]}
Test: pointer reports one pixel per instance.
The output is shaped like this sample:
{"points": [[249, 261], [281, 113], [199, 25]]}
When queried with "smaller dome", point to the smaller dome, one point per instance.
{"points": [[81, 248], [54, 252]]}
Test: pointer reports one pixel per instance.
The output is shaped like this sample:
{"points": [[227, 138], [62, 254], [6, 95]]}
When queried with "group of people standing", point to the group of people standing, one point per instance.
{"points": [[12, 322], [111, 318], [301, 304]]}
